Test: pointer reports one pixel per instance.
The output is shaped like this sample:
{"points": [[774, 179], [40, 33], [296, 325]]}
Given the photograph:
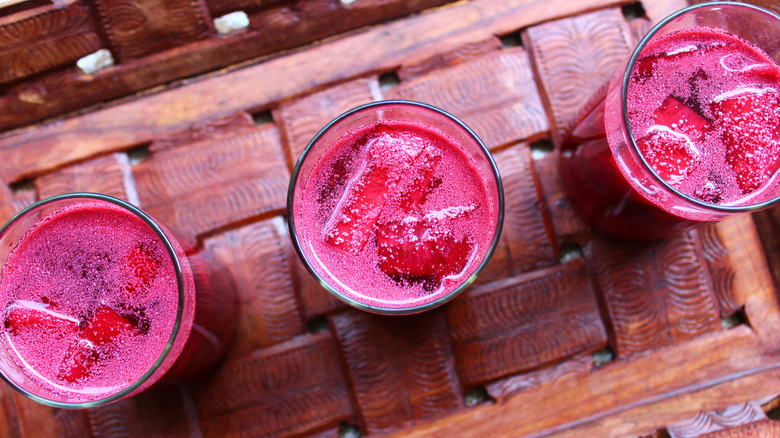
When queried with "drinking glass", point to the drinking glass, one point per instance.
{"points": [[609, 180], [205, 314], [343, 286]]}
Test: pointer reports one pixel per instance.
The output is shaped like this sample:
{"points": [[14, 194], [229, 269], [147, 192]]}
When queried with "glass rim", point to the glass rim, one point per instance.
{"points": [[179, 311], [624, 108], [392, 310]]}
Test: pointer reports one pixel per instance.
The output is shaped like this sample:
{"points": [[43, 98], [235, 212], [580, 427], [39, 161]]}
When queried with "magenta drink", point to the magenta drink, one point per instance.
{"points": [[98, 301], [688, 131], [395, 207]]}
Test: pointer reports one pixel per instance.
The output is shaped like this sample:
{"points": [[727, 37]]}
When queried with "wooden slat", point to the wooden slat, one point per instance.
{"points": [[315, 300], [53, 36], [527, 227], [721, 270], [523, 323], [630, 397], [572, 58], [655, 295], [136, 28], [753, 287], [400, 368], [567, 223], [258, 256], [109, 175], [139, 121], [462, 53], [228, 177], [282, 391]]}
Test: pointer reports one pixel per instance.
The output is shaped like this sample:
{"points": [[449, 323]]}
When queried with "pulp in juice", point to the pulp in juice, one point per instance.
{"points": [[396, 215], [90, 300]]}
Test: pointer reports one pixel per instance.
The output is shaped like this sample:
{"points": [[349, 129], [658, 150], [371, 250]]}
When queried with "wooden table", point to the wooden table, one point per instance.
{"points": [[566, 334]]}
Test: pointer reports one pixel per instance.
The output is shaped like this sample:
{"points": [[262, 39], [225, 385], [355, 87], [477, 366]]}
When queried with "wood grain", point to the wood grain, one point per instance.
{"points": [[448, 59], [572, 57], [109, 175], [711, 421], [140, 121], [234, 176], [655, 295], [118, 419], [71, 424], [300, 119], [139, 27], [258, 257], [576, 367], [54, 36], [527, 228], [493, 94], [282, 391], [720, 268], [519, 324], [595, 404], [400, 368]]}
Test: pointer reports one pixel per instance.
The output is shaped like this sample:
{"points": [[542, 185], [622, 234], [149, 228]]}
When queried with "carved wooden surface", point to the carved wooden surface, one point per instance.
{"points": [[564, 334], [574, 57], [516, 325], [400, 369], [655, 295], [135, 28], [55, 38]]}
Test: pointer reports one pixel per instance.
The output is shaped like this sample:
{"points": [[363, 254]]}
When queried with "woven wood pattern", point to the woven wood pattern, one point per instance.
{"points": [[565, 333]]}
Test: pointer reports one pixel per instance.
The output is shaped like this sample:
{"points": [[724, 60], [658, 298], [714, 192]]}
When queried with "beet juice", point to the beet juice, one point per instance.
{"points": [[396, 214], [688, 132], [98, 303]]}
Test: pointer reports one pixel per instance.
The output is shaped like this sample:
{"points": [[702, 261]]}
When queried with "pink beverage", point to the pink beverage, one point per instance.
{"points": [[698, 136], [99, 303], [396, 214]]}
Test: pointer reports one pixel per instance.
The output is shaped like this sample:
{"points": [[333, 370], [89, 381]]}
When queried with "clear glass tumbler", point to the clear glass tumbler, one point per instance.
{"points": [[395, 207], [610, 180], [91, 287]]}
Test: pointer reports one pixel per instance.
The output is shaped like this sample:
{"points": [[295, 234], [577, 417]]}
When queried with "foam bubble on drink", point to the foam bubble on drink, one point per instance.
{"points": [[73, 263], [437, 201], [725, 148]]}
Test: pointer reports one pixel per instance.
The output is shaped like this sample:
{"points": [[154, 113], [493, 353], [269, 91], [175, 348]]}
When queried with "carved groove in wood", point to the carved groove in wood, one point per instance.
{"points": [[655, 295], [214, 183], [523, 323], [55, 37], [136, 28], [258, 257], [573, 57], [400, 368], [280, 391]]}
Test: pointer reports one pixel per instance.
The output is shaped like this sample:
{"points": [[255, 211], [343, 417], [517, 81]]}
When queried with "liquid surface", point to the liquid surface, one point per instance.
{"points": [[704, 107], [395, 215], [90, 300]]}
